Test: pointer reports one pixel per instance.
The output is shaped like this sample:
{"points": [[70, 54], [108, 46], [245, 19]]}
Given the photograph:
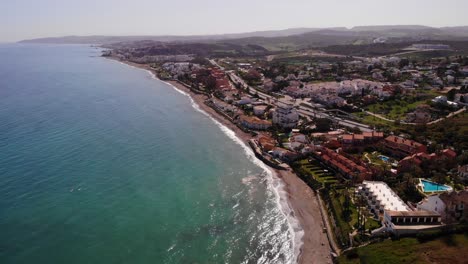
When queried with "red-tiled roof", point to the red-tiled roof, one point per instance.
{"points": [[449, 153], [358, 137], [403, 141]]}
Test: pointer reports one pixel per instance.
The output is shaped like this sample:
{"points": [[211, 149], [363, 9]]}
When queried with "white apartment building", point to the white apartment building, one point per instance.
{"points": [[285, 115]]}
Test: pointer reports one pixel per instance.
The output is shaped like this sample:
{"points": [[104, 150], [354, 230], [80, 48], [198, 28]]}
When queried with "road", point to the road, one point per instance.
{"points": [[303, 111]]}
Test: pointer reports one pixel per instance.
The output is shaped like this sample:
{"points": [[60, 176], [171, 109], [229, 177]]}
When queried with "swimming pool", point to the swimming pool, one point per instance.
{"points": [[384, 158], [429, 186]]}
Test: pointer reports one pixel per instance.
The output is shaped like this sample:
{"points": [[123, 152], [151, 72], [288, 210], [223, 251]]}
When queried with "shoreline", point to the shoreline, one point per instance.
{"points": [[314, 245]]}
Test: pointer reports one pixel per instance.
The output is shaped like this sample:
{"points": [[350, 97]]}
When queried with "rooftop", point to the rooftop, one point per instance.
{"points": [[254, 120], [412, 213], [403, 141], [386, 196]]}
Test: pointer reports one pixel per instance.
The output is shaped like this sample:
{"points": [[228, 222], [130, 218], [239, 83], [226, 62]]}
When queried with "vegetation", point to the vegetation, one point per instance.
{"points": [[450, 132], [314, 169], [380, 49], [446, 249], [343, 213]]}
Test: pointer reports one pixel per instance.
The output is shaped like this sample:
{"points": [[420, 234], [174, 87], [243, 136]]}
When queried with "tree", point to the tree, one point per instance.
{"points": [[403, 63], [210, 83], [355, 130], [323, 124], [252, 76]]}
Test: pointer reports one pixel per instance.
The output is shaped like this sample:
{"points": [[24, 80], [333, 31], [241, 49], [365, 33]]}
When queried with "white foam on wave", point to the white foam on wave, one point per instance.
{"points": [[275, 183]]}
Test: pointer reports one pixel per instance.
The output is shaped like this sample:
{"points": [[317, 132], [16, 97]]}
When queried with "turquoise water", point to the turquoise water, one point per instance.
{"points": [[434, 187], [384, 158], [101, 163]]}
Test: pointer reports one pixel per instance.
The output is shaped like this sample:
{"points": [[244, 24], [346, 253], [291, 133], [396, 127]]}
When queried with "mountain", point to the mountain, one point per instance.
{"points": [[168, 38], [290, 39], [390, 27], [459, 31]]}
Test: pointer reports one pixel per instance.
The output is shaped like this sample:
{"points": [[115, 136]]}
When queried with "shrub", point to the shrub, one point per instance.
{"points": [[352, 254]]}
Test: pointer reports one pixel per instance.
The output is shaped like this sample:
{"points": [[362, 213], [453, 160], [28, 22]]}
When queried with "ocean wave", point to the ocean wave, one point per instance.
{"points": [[276, 185]]}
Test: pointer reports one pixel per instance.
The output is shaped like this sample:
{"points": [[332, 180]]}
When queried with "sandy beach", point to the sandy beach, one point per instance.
{"points": [[301, 198]]}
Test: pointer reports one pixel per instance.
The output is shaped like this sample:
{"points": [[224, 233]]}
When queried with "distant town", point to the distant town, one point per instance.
{"points": [[381, 139]]}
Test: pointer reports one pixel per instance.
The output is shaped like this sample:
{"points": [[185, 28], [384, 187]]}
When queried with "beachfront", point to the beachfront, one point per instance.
{"points": [[296, 194]]}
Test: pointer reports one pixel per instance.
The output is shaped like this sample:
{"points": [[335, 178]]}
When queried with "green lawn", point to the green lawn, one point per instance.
{"points": [[398, 108], [375, 121], [394, 109], [374, 158], [372, 224], [447, 249], [314, 169]]}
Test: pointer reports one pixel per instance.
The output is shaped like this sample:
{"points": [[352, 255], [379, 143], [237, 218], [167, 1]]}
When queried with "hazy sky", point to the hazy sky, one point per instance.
{"points": [[21, 19]]}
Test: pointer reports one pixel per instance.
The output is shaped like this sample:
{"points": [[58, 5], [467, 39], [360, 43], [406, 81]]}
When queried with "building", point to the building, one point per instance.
{"points": [[353, 139], [456, 206], [410, 222], [417, 159], [452, 206], [410, 161], [284, 154], [298, 137], [372, 137], [463, 171], [222, 82], [396, 216], [402, 147], [422, 114], [449, 153], [285, 116], [380, 197], [343, 165], [255, 123], [432, 203], [259, 110], [267, 143], [361, 140]]}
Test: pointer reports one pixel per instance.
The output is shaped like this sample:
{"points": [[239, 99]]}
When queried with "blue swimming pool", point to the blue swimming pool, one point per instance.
{"points": [[384, 158], [429, 186]]}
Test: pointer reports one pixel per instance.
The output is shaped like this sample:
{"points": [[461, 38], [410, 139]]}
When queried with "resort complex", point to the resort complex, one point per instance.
{"points": [[397, 217]]}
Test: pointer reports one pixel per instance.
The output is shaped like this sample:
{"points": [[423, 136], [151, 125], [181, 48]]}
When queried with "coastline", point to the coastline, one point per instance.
{"points": [[314, 246]]}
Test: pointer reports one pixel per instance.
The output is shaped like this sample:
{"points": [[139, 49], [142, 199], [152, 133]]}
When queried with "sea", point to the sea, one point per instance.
{"points": [[101, 162]]}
